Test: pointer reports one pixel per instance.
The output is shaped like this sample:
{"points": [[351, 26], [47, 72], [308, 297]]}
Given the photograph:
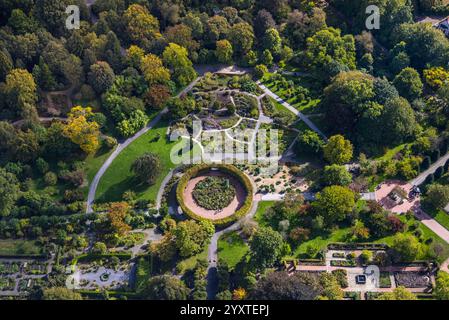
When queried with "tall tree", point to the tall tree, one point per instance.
{"points": [[338, 150], [21, 94], [176, 59], [147, 168], [165, 287], [101, 76], [241, 36], [141, 26], [153, 70], [81, 130], [334, 203], [266, 247]]}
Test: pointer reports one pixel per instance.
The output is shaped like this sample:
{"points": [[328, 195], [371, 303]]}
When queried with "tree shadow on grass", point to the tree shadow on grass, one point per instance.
{"points": [[115, 192]]}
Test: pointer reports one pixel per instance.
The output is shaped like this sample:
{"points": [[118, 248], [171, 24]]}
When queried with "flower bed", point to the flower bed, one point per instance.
{"points": [[228, 169], [214, 193], [384, 280], [412, 279], [343, 263]]}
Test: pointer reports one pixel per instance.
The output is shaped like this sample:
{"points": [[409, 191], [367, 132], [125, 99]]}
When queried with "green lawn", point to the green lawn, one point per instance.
{"points": [[18, 247], [93, 163], [119, 178], [190, 263], [321, 241], [439, 215], [262, 207], [232, 249]]}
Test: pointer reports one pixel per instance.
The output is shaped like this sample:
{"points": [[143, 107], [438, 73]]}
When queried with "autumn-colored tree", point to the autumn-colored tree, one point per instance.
{"points": [[181, 35], [117, 213], [141, 26], [359, 231], [20, 91], [156, 96], [165, 249], [134, 55], [81, 131], [239, 294], [436, 76], [224, 51], [153, 70], [338, 150]]}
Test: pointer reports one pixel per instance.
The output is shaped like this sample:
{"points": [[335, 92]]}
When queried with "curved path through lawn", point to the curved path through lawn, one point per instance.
{"points": [[121, 146]]}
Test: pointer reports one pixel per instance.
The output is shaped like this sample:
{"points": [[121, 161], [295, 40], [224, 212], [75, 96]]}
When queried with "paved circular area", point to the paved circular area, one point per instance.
{"points": [[235, 204]]}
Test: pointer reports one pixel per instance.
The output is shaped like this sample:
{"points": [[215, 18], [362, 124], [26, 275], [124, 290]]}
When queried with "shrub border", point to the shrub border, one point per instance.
{"points": [[229, 169]]}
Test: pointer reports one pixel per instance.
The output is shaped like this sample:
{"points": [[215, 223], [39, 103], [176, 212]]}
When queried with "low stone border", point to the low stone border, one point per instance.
{"points": [[229, 169]]}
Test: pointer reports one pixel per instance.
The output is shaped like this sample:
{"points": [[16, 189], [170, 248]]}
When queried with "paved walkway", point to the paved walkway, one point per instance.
{"points": [[422, 177], [303, 117], [432, 224]]}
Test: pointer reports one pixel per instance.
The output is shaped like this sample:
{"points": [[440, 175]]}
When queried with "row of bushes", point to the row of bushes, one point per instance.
{"points": [[93, 294], [97, 256], [229, 169]]}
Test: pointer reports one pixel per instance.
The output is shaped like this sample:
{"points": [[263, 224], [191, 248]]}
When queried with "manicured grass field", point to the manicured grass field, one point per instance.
{"points": [[93, 163], [15, 247], [439, 215], [190, 263], [261, 209], [232, 249], [119, 178]]}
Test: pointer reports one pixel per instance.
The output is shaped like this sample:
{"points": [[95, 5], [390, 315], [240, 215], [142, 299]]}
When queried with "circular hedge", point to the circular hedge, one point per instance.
{"points": [[214, 193], [225, 168]]}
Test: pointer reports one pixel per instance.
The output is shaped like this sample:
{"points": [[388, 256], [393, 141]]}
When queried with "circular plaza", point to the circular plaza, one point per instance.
{"points": [[218, 193]]}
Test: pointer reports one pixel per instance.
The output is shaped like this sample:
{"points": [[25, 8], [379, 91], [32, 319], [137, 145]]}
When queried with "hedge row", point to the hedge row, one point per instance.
{"points": [[93, 294], [36, 256], [229, 169], [95, 256], [357, 246]]}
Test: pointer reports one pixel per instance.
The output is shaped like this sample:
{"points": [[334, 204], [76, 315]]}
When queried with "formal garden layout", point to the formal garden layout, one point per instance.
{"points": [[242, 150]]}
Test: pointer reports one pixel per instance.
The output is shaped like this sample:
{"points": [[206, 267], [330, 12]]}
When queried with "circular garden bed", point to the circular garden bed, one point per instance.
{"points": [[214, 193], [219, 193]]}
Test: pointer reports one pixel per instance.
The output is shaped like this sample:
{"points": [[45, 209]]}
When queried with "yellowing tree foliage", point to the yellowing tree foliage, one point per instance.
{"points": [[154, 70], [140, 24], [436, 76], [81, 131], [116, 215]]}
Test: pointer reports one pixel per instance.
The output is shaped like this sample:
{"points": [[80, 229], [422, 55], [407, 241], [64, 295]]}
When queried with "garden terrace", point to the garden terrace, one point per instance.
{"points": [[237, 208]]}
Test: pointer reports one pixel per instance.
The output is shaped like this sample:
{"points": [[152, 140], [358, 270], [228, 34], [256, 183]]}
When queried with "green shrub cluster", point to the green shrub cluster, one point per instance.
{"points": [[229, 169], [214, 193]]}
